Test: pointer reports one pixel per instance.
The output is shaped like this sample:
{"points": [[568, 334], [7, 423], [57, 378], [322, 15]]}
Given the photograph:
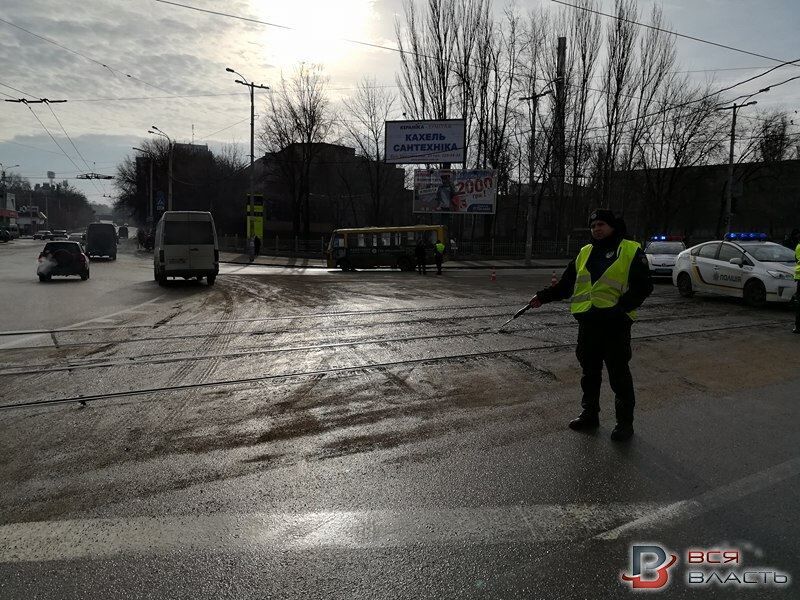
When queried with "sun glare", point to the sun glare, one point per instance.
{"points": [[319, 26]]}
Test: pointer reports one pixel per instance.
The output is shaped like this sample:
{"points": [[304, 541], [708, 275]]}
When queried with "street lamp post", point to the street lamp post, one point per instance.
{"points": [[729, 195], [252, 87], [533, 100], [155, 130]]}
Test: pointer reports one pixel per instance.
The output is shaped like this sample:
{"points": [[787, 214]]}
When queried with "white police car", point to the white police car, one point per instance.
{"points": [[743, 265], [661, 252]]}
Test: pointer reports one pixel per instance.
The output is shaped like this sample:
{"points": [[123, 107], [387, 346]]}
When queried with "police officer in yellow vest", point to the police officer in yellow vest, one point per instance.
{"points": [[438, 255], [797, 293], [606, 283]]}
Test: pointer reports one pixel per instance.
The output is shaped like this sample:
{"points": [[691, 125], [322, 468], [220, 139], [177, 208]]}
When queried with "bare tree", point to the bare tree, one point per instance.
{"points": [[298, 118], [427, 51], [585, 34], [370, 108], [688, 132], [618, 85]]}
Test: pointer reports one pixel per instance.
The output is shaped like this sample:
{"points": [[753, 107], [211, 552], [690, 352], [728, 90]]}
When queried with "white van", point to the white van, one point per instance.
{"points": [[186, 246]]}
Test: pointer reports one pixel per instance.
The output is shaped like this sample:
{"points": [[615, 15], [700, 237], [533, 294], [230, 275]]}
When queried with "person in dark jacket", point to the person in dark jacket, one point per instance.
{"points": [[257, 245], [419, 253], [606, 283]]}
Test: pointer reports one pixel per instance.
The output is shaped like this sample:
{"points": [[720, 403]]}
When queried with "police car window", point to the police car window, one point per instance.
{"points": [[708, 251], [771, 253], [728, 251], [664, 248]]}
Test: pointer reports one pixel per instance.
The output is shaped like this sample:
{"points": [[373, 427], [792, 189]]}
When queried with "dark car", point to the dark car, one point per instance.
{"points": [[61, 259], [5, 235], [101, 240], [122, 232], [43, 234], [59, 234]]}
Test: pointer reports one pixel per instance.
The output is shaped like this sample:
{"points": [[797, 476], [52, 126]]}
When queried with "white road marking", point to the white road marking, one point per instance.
{"points": [[708, 501], [27, 340], [98, 538]]}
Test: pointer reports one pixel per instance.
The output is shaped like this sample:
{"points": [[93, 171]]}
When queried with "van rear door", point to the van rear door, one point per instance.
{"points": [[176, 242], [203, 242]]}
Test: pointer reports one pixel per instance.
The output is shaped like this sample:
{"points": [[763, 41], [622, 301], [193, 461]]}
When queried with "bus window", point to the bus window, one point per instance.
{"points": [[410, 237], [387, 239], [361, 240], [398, 239]]}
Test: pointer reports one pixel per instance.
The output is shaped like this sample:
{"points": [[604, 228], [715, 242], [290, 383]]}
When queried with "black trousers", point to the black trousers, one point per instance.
{"points": [[606, 341], [797, 314], [438, 258], [421, 266]]}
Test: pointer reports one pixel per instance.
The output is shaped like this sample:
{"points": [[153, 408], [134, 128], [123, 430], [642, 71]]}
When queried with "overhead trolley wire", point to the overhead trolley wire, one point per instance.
{"points": [[668, 31]]}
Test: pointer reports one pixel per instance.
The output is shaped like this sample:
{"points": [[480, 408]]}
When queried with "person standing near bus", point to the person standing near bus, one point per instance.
{"points": [[438, 255], [419, 252], [257, 245]]}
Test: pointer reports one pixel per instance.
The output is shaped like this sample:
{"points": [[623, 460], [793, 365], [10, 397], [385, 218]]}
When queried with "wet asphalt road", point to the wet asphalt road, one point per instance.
{"points": [[314, 434]]}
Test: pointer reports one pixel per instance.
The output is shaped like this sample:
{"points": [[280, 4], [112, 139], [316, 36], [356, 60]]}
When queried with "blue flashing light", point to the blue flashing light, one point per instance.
{"points": [[746, 236]]}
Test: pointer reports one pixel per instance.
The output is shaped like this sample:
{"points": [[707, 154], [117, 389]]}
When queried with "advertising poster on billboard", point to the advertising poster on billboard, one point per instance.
{"points": [[421, 142], [455, 191]]}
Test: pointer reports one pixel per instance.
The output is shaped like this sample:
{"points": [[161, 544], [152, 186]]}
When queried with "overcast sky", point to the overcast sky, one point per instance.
{"points": [[155, 51]]}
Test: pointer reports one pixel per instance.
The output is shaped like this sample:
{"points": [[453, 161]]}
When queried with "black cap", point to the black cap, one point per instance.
{"points": [[603, 214]]}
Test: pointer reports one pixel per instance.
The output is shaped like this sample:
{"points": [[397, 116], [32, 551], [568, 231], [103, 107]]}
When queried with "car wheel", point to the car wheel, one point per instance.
{"points": [[43, 278], [685, 285], [113, 257], [755, 294], [211, 279]]}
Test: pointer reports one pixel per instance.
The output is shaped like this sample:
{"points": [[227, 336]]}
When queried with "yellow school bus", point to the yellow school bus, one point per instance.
{"points": [[372, 247]]}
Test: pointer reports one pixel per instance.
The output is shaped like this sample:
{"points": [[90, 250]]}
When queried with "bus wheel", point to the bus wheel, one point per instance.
{"points": [[405, 264], [344, 264]]}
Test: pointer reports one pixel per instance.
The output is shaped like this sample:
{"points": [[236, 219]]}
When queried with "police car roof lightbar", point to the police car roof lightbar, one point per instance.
{"points": [[746, 236], [666, 238]]}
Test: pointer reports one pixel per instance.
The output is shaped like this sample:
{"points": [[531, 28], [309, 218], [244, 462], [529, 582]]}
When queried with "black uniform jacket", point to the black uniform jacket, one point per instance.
{"points": [[604, 252]]}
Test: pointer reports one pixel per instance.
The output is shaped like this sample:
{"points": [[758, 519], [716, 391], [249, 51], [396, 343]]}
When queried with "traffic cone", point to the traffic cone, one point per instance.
{"points": [[494, 275]]}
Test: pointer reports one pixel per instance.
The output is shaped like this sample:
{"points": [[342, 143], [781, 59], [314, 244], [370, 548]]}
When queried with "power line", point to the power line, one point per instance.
{"points": [[51, 137], [29, 146], [84, 56], [689, 37], [85, 162]]}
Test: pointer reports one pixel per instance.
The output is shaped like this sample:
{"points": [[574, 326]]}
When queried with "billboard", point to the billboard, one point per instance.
{"points": [[455, 191], [423, 142]]}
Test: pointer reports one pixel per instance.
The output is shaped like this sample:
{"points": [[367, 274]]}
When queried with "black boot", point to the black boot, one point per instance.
{"points": [[585, 421], [622, 432]]}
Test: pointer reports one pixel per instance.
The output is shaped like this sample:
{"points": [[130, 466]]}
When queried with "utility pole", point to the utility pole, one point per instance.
{"points": [[559, 150], [534, 100], [252, 86], [729, 194]]}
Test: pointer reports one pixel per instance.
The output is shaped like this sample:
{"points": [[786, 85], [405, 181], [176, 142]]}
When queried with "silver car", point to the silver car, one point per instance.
{"points": [[661, 254]]}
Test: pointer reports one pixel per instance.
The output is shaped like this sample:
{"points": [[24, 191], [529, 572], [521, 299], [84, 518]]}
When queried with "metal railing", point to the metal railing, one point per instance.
{"points": [[314, 246]]}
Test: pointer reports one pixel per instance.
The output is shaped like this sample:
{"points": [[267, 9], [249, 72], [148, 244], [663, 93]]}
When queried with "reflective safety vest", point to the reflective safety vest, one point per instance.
{"points": [[606, 291], [797, 267], [440, 247]]}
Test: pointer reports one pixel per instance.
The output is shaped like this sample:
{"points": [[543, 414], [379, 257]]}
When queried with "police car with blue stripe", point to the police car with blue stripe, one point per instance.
{"points": [[743, 265]]}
